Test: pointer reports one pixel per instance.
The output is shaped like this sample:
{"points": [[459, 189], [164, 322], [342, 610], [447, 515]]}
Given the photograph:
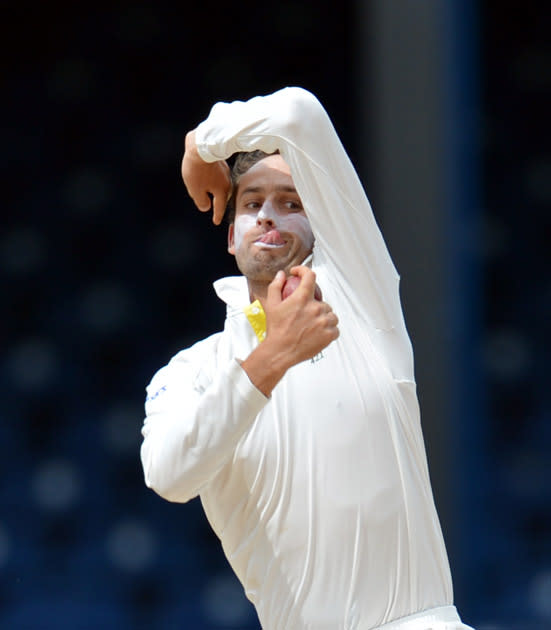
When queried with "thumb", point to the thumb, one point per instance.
{"points": [[203, 202], [275, 287]]}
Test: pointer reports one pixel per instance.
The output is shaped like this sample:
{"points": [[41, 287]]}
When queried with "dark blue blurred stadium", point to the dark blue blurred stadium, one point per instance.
{"points": [[106, 272]]}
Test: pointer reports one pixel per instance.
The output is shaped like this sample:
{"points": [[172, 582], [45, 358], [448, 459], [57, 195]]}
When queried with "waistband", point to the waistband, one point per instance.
{"points": [[423, 620]]}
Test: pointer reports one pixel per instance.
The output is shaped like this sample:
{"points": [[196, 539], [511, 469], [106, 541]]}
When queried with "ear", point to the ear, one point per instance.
{"points": [[231, 243]]}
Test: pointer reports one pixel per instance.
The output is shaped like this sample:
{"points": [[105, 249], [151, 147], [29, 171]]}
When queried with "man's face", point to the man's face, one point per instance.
{"points": [[270, 231]]}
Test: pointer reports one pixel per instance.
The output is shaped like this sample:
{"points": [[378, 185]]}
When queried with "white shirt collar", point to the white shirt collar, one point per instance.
{"points": [[234, 290]]}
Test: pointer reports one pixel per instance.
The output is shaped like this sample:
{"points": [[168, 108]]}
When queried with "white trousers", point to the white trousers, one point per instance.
{"points": [[442, 618]]}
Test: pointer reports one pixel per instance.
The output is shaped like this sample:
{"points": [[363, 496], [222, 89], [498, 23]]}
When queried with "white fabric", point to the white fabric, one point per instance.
{"points": [[321, 494], [442, 618]]}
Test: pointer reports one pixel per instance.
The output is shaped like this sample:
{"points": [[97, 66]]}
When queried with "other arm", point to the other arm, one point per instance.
{"points": [[194, 421], [195, 416]]}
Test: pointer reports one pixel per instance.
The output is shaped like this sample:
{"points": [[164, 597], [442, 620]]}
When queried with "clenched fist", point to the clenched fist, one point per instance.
{"points": [[297, 328]]}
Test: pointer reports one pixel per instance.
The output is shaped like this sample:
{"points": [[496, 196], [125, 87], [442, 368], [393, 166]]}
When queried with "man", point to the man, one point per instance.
{"points": [[298, 425]]}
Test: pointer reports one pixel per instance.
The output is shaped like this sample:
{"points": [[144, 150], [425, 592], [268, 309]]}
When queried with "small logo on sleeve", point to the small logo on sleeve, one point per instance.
{"points": [[156, 394], [317, 358]]}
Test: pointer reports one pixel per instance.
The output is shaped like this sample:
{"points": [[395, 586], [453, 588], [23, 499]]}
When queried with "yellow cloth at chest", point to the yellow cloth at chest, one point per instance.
{"points": [[257, 319]]}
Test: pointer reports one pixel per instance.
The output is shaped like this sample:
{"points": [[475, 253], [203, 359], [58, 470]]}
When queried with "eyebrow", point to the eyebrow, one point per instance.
{"points": [[257, 189]]}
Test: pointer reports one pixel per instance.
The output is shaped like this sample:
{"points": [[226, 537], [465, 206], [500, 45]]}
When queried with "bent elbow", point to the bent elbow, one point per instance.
{"points": [[167, 488], [165, 491], [303, 112], [163, 481]]}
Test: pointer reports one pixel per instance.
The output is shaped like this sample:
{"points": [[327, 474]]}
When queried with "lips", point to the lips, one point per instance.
{"points": [[272, 238]]}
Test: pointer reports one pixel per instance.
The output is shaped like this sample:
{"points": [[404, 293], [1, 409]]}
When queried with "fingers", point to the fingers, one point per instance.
{"points": [[275, 287], [298, 327], [219, 208], [331, 328], [202, 201], [332, 320], [222, 190], [330, 316], [307, 284], [208, 183], [300, 270]]}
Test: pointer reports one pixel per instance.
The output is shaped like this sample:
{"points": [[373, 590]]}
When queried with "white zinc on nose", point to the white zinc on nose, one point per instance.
{"points": [[267, 212]]}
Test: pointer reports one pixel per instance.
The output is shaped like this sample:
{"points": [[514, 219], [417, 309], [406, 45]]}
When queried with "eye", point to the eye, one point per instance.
{"points": [[291, 204]]}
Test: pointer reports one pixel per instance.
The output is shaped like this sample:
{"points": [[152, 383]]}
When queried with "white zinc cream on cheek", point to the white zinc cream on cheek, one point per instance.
{"points": [[243, 223], [298, 224], [294, 223]]}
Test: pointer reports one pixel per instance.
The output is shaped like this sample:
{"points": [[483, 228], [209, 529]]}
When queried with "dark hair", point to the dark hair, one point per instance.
{"points": [[242, 162]]}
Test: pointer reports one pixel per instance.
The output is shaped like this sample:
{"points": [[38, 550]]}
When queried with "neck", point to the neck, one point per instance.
{"points": [[257, 291]]}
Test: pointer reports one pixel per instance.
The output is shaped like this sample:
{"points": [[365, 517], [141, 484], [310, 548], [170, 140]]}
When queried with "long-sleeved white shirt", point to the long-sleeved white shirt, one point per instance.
{"points": [[319, 494]]}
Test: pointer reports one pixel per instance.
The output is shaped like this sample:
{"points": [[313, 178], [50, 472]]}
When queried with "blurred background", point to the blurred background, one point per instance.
{"points": [[106, 272]]}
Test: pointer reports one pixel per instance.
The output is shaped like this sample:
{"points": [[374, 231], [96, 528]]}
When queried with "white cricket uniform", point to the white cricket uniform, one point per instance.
{"points": [[319, 494]]}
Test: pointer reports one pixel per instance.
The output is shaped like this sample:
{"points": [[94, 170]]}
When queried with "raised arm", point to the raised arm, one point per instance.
{"points": [[348, 241]]}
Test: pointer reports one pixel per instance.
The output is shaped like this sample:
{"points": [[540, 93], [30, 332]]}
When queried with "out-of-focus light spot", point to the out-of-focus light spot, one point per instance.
{"points": [[72, 80], [121, 428], [540, 594], [22, 250], [132, 545], [5, 546], [33, 364], [154, 145], [105, 308], [224, 602], [172, 246], [508, 355], [56, 485], [538, 181], [87, 192]]}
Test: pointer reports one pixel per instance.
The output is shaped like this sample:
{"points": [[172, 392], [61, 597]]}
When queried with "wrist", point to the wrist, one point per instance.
{"points": [[190, 146], [265, 367]]}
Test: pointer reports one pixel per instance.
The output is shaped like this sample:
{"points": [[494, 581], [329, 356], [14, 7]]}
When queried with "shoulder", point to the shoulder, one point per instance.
{"points": [[198, 350], [186, 362]]}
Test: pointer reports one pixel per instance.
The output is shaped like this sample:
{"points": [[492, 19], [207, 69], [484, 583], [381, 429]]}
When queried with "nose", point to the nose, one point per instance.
{"points": [[267, 215]]}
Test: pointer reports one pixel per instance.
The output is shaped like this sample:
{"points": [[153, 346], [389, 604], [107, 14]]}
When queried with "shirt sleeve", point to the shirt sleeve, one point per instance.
{"points": [[348, 241], [193, 423]]}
